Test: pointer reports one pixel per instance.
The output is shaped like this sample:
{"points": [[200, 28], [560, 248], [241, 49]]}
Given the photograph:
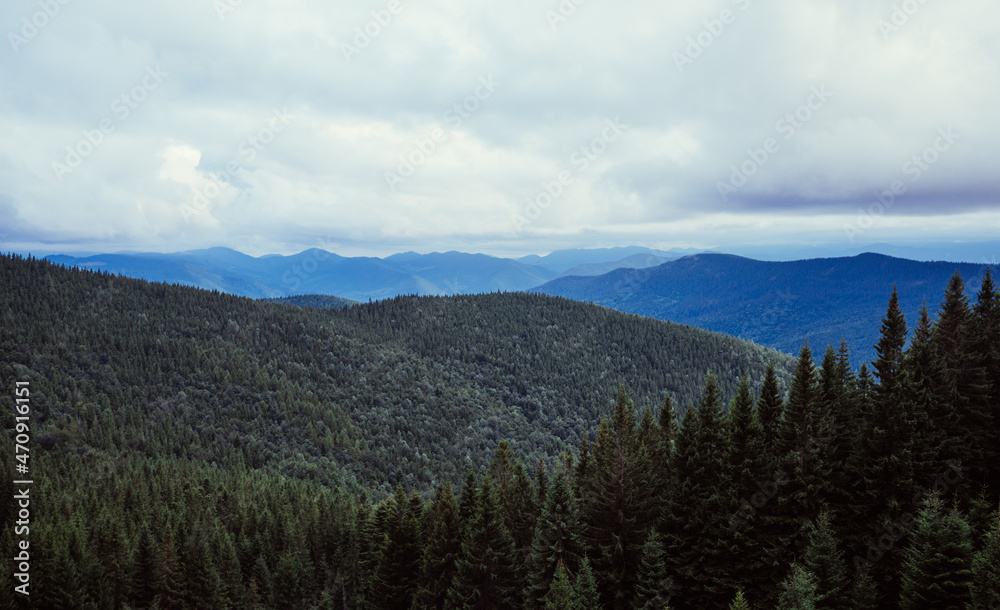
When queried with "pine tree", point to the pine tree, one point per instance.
{"points": [[654, 585], [824, 560], [695, 532], [987, 348], [486, 571], [937, 566], [923, 388], [617, 506], [966, 386], [739, 602], [798, 591], [586, 587], [144, 575], [985, 590], [803, 440], [557, 540], [769, 403], [441, 553], [561, 595], [170, 585], [746, 469]]}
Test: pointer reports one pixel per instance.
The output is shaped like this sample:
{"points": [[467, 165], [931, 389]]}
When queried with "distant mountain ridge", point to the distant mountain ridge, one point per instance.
{"points": [[773, 303], [363, 278]]}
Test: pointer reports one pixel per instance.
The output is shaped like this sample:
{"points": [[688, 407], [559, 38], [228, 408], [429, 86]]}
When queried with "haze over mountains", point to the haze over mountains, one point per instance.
{"points": [[779, 304]]}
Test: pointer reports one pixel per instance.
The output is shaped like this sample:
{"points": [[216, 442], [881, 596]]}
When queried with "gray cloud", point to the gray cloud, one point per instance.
{"points": [[353, 118]]}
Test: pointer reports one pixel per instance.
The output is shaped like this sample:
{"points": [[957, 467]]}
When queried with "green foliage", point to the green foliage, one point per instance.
{"points": [[798, 591], [203, 451], [937, 569]]}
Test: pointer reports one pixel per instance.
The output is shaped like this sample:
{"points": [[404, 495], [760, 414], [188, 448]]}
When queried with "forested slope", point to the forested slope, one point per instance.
{"points": [[405, 390], [196, 450]]}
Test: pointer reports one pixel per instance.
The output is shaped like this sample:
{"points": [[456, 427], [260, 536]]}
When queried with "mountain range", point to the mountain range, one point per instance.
{"points": [[778, 304], [317, 271]]}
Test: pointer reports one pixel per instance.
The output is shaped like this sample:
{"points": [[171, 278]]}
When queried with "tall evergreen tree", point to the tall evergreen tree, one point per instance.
{"points": [[586, 587], [987, 347], [739, 602], [654, 585], [937, 568], [557, 540], [966, 386], [440, 553], [618, 505], [798, 591], [985, 590], [746, 470], [769, 403], [804, 444], [561, 594], [826, 562], [695, 533], [486, 571]]}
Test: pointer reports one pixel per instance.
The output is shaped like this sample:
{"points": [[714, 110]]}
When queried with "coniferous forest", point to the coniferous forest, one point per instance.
{"points": [[198, 450]]}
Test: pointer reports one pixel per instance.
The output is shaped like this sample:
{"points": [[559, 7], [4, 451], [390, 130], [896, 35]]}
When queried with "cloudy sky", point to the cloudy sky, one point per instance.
{"points": [[523, 126]]}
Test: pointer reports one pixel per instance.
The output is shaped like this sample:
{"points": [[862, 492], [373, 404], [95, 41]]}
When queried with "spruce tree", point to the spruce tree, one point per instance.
{"points": [[440, 553], [696, 522], [804, 438], [739, 602], [966, 386], [654, 585], [937, 566], [557, 540], [486, 575], [987, 349], [769, 403], [586, 587], [798, 591], [824, 560], [561, 595], [746, 469], [617, 506], [985, 590]]}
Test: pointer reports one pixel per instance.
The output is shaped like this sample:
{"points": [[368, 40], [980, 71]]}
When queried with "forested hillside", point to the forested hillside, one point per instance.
{"points": [[198, 450], [778, 304]]}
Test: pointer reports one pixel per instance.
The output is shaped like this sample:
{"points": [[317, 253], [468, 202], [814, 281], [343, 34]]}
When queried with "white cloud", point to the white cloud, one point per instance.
{"points": [[324, 176]]}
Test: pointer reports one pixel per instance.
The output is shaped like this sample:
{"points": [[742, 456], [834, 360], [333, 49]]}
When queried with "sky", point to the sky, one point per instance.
{"points": [[368, 128]]}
